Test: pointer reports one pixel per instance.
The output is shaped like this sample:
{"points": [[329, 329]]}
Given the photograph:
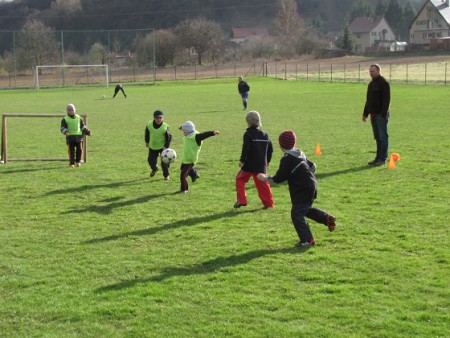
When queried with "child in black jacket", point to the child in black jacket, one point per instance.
{"points": [[299, 172]]}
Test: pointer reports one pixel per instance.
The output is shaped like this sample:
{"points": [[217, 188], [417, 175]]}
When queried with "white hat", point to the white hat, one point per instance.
{"points": [[70, 106], [188, 127]]}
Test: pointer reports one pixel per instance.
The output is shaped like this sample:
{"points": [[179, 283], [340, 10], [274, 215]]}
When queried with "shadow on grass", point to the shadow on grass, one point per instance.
{"points": [[28, 170], [95, 186], [181, 223], [214, 111], [201, 269], [107, 209], [344, 171]]}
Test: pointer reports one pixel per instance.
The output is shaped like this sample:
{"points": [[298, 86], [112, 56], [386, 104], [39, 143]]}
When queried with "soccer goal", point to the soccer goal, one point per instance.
{"points": [[71, 75], [30, 143]]}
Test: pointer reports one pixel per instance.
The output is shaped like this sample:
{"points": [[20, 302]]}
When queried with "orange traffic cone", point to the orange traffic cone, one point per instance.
{"points": [[396, 157], [318, 151], [391, 163]]}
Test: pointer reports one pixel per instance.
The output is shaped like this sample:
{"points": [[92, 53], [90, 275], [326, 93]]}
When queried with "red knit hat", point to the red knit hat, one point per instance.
{"points": [[287, 139]]}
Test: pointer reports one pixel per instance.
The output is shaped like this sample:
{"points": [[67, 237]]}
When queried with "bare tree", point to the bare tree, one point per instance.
{"points": [[201, 34], [165, 48], [287, 23], [37, 45], [61, 12], [98, 53]]}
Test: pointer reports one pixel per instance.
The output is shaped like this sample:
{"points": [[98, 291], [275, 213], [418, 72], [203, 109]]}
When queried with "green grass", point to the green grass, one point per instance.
{"points": [[104, 250]]}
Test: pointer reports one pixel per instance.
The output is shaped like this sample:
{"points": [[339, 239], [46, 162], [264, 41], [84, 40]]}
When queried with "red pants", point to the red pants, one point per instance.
{"points": [[264, 191]]}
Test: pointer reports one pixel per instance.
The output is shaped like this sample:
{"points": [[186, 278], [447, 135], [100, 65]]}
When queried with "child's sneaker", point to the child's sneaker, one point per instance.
{"points": [[153, 173], [237, 205], [195, 178], [305, 244], [331, 222]]}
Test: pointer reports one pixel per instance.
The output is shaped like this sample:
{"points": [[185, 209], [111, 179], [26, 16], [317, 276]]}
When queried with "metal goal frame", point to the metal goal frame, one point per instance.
{"points": [[4, 154]]}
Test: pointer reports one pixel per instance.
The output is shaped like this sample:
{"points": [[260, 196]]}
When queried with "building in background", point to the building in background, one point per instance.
{"points": [[371, 34], [432, 22]]}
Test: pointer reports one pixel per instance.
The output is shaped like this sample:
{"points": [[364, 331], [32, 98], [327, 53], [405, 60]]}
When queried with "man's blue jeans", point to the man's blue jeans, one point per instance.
{"points": [[380, 133]]}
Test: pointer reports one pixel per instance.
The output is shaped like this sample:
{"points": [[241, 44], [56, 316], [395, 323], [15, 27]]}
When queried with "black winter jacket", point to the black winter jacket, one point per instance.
{"points": [[299, 172], [257, 150]]}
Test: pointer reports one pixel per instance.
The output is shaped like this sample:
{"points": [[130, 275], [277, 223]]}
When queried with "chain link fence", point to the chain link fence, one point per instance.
{"points": [[129, 55], [414, 73]]}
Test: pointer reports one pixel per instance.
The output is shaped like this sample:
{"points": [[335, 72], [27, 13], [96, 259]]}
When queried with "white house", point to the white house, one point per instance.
{"points": [[431, 22], [371, 34]]}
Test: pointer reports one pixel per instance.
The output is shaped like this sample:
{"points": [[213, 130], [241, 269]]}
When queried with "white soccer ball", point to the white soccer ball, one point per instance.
{"points": [[104, 96], [168, 156]]}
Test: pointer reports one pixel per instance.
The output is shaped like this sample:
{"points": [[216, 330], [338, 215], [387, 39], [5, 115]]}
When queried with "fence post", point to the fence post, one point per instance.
{"points": [[345, 73], [296, 72], [215, 69], [195, 71], [331, 70], [425, 73], [234, 68], [254, 68], [307, 72], [14, 58], [319, 71], [390, 72], [445, 74], [175, 70], [406, 73], [276, 70], [359, 72], [4, 155]]}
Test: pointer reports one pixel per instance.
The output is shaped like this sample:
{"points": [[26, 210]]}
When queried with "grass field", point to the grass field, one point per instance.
{"points": [[106, 251]]}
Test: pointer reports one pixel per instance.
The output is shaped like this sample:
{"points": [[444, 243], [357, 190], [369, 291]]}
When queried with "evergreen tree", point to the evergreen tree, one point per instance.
{"points": [[345, 41], [396, 18], [409, 14], [361, 8], [381, 8]]}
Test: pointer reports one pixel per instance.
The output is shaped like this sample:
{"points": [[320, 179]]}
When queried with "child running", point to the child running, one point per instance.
{"points": [[299, 172], [255, 157], [192, 144]]}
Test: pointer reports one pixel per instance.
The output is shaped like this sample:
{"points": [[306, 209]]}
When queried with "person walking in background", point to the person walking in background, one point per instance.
{"points": [[118, 88], [299, 173], [243, 89], [157, 138], [73, 127], [255, 158], [192, 144], [377, 105]]}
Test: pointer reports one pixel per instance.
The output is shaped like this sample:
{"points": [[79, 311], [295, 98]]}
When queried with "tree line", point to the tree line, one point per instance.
{"points": [[190, 26]]}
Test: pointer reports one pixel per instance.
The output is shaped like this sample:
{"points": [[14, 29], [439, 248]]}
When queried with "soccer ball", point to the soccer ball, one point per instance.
{"points": [[168, 156], [103, 96]]}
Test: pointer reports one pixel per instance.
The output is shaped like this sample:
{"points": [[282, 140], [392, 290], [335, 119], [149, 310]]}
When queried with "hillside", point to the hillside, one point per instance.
{"points": [[117, 14]]}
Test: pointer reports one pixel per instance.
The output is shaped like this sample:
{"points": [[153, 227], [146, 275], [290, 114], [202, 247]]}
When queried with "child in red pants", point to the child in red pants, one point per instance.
{"points": [[255, 157]]}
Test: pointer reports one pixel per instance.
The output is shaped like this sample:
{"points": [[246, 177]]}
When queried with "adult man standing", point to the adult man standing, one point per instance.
{"points": [[377, 106]]}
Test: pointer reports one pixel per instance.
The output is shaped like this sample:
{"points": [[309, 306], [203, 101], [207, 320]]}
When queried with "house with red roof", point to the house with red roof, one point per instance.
{"points": [[240, 35]]}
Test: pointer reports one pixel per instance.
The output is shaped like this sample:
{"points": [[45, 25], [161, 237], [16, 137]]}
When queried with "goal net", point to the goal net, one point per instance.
{"points": [[45, 146], [71, 75]]}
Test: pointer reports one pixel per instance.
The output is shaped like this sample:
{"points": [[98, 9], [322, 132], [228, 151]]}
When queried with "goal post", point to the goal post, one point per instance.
{"points": [[71, 75], [4, 150]]}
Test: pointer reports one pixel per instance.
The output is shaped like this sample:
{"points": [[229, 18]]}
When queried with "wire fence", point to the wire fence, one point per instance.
{"points": [[413, 73]]}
